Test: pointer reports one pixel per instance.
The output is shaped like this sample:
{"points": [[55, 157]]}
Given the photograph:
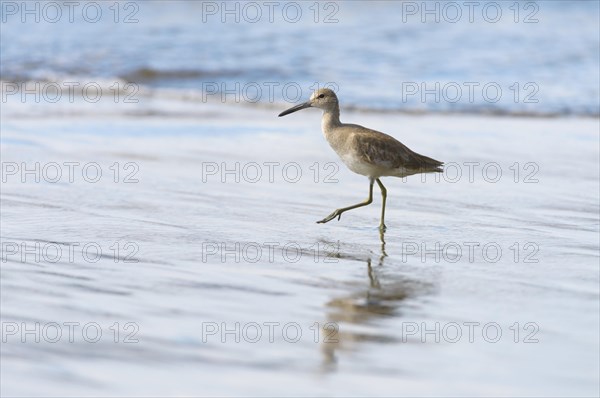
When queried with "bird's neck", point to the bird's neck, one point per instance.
{"points": [[331, 119]]}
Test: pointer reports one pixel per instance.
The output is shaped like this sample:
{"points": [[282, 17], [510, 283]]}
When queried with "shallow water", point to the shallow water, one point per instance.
{"points": [[199, 254], [168, 245]]}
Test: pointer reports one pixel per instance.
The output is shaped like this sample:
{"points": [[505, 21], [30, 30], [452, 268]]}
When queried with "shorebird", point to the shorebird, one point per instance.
{"points": [[364, 151]]}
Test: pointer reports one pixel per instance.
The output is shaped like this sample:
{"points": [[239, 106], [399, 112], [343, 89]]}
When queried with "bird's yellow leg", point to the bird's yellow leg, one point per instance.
{"points": [[382, 226], [338, 212]]}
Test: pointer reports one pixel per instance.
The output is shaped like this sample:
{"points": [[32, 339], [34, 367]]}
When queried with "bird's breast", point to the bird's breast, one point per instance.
{"points": [[350, 158]]}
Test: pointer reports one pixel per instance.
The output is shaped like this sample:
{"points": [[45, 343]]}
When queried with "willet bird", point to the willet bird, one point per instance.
{"points": [[365, 151]]}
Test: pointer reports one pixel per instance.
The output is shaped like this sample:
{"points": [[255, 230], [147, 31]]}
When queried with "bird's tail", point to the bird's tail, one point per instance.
{"points": [[430, 165]]}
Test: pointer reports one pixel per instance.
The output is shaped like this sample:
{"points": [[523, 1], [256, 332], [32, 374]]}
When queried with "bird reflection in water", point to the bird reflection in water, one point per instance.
{"points": [[353, 319]]}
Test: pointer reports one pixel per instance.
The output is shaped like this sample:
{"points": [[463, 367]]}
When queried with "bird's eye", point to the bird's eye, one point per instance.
{"points": [[321, 96]]}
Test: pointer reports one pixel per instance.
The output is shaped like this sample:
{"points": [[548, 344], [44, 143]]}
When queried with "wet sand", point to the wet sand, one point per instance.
{"points": [[188, 253]]}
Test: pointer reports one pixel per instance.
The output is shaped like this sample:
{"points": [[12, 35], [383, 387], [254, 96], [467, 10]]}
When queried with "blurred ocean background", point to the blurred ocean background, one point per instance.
{"points": [[376, 54], [185, 251]]}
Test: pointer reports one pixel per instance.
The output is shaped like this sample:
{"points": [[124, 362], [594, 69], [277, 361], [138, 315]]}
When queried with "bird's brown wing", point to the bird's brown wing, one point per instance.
{"points": [[378, 148]]}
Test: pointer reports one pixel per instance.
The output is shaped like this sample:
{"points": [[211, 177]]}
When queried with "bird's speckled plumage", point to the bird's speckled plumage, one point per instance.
{"points": [[365, 151]]}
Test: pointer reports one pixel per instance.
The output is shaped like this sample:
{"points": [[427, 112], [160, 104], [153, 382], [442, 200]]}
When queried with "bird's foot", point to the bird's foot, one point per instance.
{"points": [[330, 217]]}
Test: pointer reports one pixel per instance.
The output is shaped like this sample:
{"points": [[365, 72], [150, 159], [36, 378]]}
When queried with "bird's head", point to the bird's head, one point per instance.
{"points": [[322, 98]]}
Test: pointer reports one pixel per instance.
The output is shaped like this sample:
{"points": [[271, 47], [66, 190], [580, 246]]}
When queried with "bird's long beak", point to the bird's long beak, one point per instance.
{"points": [[295, 108]]}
